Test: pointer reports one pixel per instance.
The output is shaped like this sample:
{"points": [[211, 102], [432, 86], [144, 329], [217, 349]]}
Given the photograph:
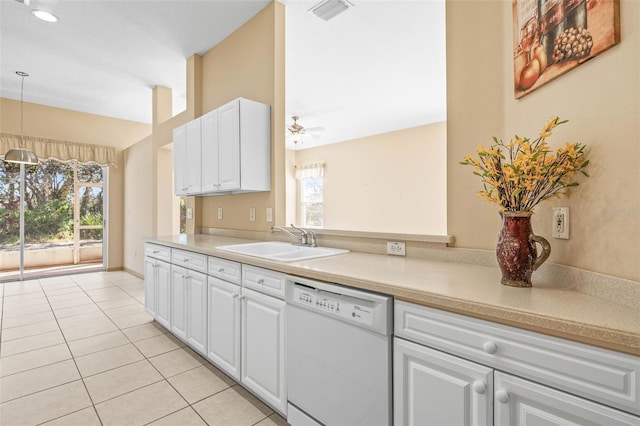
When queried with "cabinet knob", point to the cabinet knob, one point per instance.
{"points": [[242, 297], [502, 396], [490, 347], [185, 260], [220, 269], [260, 280], [235, 295], [479, 387], [155, 252]]}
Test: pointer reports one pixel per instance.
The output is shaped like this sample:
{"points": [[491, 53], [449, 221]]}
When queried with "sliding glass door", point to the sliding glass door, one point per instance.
{"points": [[64, 221]]}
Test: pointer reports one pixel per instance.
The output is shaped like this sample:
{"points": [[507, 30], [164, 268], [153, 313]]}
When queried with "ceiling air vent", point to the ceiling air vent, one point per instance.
{"points": [[328, 9]]}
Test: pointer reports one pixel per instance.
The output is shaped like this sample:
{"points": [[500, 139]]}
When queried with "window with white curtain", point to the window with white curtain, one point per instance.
{"points": [[311, 182]]}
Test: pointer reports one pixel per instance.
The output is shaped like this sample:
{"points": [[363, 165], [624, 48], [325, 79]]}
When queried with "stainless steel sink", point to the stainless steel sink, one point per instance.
{"points": [[280, 251]]}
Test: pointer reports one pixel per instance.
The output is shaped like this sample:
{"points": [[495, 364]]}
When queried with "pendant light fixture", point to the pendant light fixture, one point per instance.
{"points": [[21, 155]]}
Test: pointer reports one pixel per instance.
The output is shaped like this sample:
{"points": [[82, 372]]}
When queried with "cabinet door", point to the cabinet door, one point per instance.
{"points": [[178, 301], [163, 295], [224, 326], [194, 157], [197, 311], [519, 402], [179, 159], [209, 161], [150, 284], [263, 367], [434, 388], [229, 146]]}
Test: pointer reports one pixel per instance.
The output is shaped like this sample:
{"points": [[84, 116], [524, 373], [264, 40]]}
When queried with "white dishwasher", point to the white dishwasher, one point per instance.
{"points": [[339, 351]]}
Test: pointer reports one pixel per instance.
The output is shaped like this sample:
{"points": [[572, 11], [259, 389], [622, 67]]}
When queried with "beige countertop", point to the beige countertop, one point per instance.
{"points": [[463, 288]]}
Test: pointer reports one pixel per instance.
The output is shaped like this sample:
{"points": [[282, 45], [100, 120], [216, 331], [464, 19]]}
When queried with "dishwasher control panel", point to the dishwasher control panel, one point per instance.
{"points": [[345, 307]]}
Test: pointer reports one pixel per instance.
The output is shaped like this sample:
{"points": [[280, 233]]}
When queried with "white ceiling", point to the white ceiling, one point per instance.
{"points": [[104, 57], [377, 67]]}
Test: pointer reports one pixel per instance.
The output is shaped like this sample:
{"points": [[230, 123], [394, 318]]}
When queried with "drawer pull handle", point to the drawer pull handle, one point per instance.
{"points": [[260, 280], [502, 396], [242, 297], [220, 269], [479, 387], [490, 347], [156, 252]]}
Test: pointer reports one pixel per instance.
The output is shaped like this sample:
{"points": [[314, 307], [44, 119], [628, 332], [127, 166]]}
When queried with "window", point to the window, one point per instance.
{"points": [[311, 201], [311, 184]]}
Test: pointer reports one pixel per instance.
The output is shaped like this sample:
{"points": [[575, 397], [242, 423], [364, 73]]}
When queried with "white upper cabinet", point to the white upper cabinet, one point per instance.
{"points": [[209, 126], [229, 146], [233, 153], [194, 154], [187, 152], [180, 160]]}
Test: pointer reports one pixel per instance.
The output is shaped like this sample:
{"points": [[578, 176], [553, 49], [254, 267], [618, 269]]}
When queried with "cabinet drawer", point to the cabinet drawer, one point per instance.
{"points": [[157, 252], [263, 280], [605, 376], [225, 270], [189, 260]]}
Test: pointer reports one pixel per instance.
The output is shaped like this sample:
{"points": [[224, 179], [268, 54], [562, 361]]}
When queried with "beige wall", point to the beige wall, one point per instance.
{"points": [[250, 64], [56, 123], [137, 203], [600, 98], [392, 182]]}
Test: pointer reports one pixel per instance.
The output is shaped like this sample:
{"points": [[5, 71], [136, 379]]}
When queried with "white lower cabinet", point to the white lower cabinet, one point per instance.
{"points": [[189, 307], [435, 388], [520, 402], [224, 326], [450, 369], [157, 290], [263, 347]]}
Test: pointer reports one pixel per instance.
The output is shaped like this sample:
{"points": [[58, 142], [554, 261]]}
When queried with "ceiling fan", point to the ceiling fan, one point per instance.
{"points": [[298, 130]]}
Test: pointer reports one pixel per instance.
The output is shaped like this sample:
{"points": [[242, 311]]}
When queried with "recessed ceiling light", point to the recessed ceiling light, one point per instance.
{"points": [[44, 15]]}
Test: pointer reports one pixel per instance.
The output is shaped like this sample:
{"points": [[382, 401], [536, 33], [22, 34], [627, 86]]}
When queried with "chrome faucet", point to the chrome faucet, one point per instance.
{"points": [[306, 238]]}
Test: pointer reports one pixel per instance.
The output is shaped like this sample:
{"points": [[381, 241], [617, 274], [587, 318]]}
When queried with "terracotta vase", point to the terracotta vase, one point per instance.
{"points": [[516, 250]]}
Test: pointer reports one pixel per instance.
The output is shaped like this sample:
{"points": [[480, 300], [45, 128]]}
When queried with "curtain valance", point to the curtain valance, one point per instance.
{"points": [[61, 150], [311, 170]]}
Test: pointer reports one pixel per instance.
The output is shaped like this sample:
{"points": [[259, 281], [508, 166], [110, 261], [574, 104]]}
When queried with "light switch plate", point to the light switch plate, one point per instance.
{"points": [[269, 214], [189, 213], [220, 213], [252, 214]]}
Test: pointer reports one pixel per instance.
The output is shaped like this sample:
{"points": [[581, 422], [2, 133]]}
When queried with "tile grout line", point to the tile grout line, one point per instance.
{"points": [[205, 363], [71, 353]]}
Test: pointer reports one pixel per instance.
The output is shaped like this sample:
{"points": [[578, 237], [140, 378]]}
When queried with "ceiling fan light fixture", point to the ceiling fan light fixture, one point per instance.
{"points": [[328, 9], [44, 15]]}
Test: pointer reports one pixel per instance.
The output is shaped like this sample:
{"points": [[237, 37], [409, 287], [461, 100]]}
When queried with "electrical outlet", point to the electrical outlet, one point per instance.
{"points": [[269, 214], [220, 213], [396, 248], [252, 214], [189, 213], [560, 225]]}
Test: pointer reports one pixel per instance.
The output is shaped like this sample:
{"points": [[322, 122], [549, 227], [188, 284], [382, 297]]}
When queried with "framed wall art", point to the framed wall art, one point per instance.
{"points": [[552, 37]]}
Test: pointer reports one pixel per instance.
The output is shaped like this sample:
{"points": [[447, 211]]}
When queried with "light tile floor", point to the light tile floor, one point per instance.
{"points": [[81, 350]]}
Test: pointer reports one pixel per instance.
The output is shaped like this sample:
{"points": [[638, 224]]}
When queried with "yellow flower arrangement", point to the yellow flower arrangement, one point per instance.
{"points": [[520, 174]]}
